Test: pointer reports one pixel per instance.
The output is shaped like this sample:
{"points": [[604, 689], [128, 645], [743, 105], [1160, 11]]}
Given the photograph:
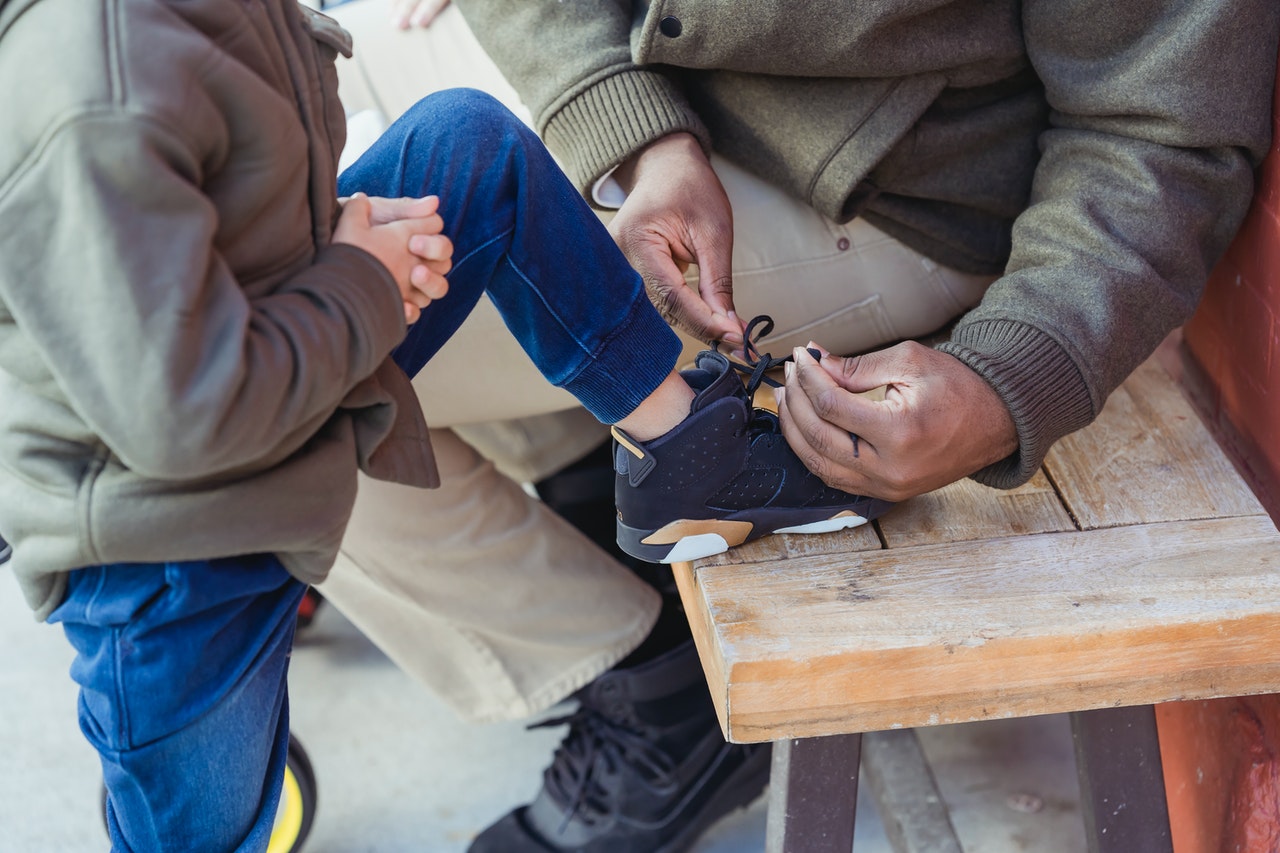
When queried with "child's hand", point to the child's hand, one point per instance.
{"points": [[415, 13], [404, 235]]}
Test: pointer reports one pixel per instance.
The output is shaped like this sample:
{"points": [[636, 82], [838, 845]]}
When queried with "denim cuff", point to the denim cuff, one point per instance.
{"points": [[628, 365]]}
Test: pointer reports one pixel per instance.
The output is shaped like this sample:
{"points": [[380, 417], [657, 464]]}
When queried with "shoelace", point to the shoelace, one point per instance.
{"points": [[756, 369], [571, 777], [758, 364]]}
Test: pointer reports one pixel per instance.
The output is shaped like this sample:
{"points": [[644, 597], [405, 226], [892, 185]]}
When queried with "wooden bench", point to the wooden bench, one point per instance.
{"points": [[1135, 568]]}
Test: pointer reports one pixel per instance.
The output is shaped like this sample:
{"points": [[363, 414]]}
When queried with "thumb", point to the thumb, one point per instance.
{"points": [[395, 209], [359, 206]]}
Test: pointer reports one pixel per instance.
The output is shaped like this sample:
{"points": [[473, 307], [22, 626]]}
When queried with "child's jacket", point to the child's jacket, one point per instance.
{"points": [[188, 369]]}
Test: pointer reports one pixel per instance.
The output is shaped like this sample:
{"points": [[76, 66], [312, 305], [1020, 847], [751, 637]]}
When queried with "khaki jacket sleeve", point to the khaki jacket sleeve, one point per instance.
{"points": [[108, 265], [1159, 115], [591, 103]]}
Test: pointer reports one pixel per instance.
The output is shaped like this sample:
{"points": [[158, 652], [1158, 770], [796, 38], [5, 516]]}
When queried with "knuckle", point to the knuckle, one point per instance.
{"points": [[720, 284], [665, 299]]}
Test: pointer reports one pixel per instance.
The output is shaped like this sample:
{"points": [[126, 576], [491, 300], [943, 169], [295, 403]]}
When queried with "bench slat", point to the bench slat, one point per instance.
{"points": [[966, 510], [1146, 458], [967, 631]]}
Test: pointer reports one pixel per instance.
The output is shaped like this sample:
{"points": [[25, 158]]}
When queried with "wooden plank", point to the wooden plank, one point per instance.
{"points": [[704, 637], [911, 807], [1036, 624], [967, 510], [1147, 458], [784, 546]]}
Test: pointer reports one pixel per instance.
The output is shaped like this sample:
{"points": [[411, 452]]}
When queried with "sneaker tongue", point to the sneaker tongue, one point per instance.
{"points": [[712, 380]]}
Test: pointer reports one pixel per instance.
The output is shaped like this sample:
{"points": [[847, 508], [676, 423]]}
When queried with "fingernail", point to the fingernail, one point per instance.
{"points": [[789, 370]]}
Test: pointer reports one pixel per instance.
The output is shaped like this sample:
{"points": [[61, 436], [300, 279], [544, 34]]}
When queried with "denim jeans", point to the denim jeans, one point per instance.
{"points": [[183, 665]]}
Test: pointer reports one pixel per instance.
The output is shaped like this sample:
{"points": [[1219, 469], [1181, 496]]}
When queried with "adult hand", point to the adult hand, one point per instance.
{"points": [[415, 13], [938, 422], [677, 214], [404, 235]]}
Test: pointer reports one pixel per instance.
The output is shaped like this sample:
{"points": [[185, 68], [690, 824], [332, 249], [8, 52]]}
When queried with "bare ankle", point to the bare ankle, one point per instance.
{"points": [[661, 411]]}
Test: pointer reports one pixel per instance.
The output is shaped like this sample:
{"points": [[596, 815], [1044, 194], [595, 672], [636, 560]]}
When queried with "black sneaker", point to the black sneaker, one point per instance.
{"points": [[724, 476], [643, 768]]}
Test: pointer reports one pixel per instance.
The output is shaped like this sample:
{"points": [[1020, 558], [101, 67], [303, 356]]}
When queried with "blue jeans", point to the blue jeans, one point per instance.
{"points": [[182, 666]]}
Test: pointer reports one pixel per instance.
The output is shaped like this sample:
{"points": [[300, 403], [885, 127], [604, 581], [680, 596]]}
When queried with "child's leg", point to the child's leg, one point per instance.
{"points": [[182, 673], [522, 233]]}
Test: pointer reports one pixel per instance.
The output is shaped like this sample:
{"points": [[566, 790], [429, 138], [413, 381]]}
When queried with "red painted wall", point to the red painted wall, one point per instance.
{"points": [[1222, 757]]}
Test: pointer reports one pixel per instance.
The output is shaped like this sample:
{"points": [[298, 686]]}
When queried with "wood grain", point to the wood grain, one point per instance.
{"points": [[966, 631], [1147, 458], [966, 510]]}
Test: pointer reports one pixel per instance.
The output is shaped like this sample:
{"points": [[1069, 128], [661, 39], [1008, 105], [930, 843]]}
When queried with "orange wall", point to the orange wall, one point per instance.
{"points": [[1222, 757]]}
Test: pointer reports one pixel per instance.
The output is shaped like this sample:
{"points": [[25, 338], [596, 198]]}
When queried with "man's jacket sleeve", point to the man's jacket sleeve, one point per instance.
{"points": [[571, 63], [1160, 113]]}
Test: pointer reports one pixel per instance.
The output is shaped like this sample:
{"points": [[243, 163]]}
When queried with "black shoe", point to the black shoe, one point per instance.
{"points": [[724, 476], [5, 551], [643, 768]]}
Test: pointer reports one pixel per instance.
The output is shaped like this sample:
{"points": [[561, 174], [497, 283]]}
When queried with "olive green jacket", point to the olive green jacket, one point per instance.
{"points": [[1098, 155], [188, 368]]}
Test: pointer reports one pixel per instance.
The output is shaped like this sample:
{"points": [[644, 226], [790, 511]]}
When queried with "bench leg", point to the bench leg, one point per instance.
{"points": [[1121, 780], [813, 795]]}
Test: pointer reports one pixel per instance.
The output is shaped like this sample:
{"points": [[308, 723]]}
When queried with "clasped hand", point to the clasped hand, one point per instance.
{"points": [[405, 235]]}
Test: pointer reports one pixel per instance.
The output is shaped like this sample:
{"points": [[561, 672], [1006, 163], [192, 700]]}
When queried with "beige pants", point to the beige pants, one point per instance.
{"points": [[477, 589]]}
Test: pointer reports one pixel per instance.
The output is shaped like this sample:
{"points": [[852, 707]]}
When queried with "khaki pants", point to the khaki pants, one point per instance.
{"points": [[477, 589]]}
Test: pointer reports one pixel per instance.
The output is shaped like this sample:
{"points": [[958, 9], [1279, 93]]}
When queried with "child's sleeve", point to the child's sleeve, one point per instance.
{"points": [[108, 267]]}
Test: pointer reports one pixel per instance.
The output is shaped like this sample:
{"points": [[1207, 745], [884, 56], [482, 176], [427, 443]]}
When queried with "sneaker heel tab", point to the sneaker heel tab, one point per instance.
{"points": [[639, 462]]}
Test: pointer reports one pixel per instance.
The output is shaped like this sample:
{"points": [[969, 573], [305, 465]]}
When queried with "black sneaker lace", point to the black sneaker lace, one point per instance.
{"points": [[571, 777], [757, 367], [757, 364], [595, 740]]}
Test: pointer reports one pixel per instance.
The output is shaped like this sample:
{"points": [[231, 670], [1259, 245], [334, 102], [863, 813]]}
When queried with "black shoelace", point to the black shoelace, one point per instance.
{"points": [[757, 366], [571, 778]]}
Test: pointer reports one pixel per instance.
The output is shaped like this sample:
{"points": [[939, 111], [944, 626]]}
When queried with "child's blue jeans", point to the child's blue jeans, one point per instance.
{"points": [[182, 666]]}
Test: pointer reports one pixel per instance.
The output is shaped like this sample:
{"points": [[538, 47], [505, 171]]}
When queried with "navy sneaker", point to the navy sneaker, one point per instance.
{"points": [[724, 476]]}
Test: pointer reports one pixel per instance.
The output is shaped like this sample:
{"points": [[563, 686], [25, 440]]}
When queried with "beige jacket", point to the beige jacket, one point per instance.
{"points": [[188, 369]]}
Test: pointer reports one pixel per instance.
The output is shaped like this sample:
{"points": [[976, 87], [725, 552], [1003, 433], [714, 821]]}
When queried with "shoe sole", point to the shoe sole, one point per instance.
{"points": [[692, 539]]}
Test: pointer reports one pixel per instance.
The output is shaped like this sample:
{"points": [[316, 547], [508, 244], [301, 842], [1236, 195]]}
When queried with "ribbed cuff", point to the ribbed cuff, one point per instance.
{"points": [[614, 119], [1036, 379], [628, 366]]}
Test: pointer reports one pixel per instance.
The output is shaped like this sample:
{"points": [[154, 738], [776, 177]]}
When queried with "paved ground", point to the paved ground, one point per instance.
{"points": [[398, 774]]}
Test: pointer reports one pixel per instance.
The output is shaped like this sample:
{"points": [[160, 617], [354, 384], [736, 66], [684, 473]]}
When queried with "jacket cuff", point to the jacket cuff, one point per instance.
{"points": [[1037, 380], [380, 309], [615, 118]]}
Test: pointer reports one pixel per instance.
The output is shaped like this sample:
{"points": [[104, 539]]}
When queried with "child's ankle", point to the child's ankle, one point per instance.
{"points": [[661, 412]]}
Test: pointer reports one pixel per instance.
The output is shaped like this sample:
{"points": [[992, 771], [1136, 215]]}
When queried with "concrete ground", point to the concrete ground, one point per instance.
{"points": [[398, 774]]}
